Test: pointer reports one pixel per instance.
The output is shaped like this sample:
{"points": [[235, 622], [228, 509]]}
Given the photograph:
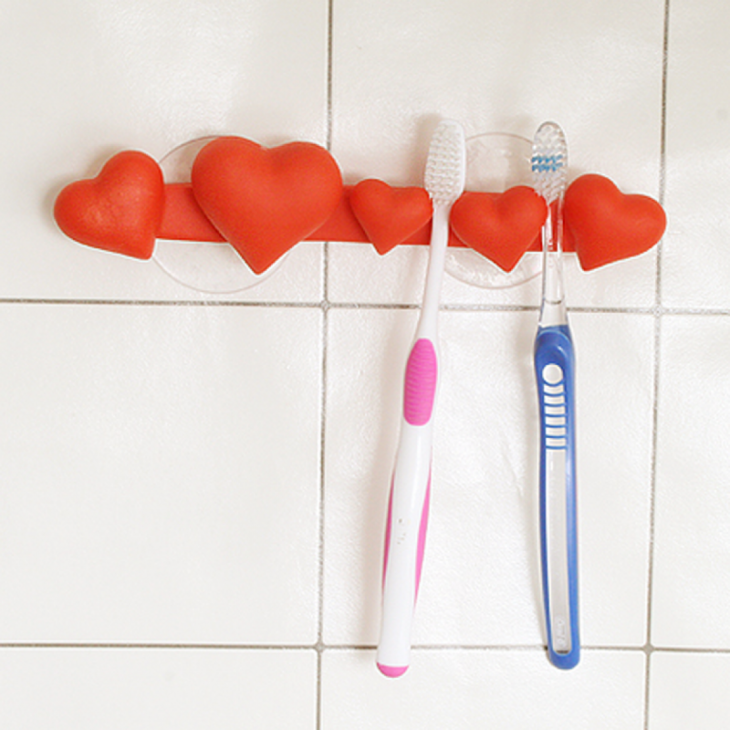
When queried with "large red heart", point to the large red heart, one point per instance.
{"points": [[389, 215], [264, 201], [606, 225], [119, 210], [500, 226]]}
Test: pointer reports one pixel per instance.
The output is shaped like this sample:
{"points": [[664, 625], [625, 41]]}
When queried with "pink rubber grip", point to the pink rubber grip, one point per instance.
{"points": [[422, 536], [420, 387]]}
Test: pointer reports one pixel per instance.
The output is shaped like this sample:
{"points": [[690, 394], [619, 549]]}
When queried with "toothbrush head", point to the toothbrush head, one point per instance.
{"points": [[446, 165], [549, 162]]}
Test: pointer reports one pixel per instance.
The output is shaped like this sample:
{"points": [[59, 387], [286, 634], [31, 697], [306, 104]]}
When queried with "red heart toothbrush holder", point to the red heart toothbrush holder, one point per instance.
{"points": [[264, 201]]}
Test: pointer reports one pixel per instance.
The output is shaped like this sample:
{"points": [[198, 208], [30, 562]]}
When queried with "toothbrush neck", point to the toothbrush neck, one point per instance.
{"points": [[553, 311], [435, 273]]}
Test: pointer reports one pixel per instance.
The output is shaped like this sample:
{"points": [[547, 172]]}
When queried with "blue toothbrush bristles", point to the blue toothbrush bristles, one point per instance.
{"points": [[547, 164]]}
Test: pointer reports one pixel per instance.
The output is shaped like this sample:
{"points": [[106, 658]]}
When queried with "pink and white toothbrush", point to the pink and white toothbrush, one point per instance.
{"points": [[409, 496]]}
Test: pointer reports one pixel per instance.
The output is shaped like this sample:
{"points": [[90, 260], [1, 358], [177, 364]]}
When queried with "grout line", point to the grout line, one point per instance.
{"points": [[344, 647], [153, 646], [691, 312], [663, 125], [163, 303], [515, 647], [663, 149], [329, 121], [323, 394], [648, 648], [660, 312], [655, 310], [688, 650], [535, 308], [321, 511]]}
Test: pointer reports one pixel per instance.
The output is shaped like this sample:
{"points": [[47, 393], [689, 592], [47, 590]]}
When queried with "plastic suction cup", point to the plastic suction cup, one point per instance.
{"points": [[495, 162], [211, 268]]}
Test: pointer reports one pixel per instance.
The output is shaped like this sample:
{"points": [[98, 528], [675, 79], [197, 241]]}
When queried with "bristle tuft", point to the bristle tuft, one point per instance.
{"points": [[446, 164], [549, 161]]}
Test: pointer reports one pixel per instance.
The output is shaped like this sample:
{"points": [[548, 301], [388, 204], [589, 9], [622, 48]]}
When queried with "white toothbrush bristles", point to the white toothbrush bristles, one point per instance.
{"points": [[446, 165]]}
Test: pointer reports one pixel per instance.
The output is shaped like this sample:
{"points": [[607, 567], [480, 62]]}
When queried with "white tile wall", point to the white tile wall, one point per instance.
{"points": [[157, 687], [694, 272], [485, 688], [689, 690], [193, 486], [139, 442]]}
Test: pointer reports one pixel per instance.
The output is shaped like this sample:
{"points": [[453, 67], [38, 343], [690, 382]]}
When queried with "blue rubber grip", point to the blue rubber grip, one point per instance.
{"points": [[555, 371]]}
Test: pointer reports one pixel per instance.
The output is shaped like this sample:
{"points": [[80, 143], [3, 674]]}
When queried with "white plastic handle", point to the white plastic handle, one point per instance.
{"points": [[408, 510]]}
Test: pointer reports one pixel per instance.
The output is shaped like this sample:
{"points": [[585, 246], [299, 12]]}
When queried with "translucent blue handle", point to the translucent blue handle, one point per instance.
{"points": [[555, 371]]}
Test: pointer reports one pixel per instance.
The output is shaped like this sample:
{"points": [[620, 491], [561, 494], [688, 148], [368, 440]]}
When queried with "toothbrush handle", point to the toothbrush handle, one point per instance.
{"points": [[554, 367], [408, 510]]}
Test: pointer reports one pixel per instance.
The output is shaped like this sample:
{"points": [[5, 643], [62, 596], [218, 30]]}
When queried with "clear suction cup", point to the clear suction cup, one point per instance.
{"points": [[495, 162], [211, 268]]}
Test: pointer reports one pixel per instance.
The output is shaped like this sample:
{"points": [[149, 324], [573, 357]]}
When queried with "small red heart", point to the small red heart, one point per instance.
{"points": [[389, 215], [500, 226], [119, 210], [606, 225], [264, 201]]}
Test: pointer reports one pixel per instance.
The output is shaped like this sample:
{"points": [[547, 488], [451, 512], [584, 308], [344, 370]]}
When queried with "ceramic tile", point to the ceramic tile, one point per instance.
{"points": [[688, 690], [211, 276], [86, 80], [467, 689], [161, 475], [358, 274], [484, 498], [365, 355], [696, 267], [461, 60], [615, 387], [692, 544], [86, 689]]}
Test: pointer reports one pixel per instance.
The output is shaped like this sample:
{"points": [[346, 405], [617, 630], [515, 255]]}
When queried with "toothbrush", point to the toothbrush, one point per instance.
{"points": [[410, 489], [554, 368]]}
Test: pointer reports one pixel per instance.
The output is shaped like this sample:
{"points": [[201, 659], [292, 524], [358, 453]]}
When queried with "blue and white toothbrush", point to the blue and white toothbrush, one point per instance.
{"points": [[409, 495], [554, 368]]}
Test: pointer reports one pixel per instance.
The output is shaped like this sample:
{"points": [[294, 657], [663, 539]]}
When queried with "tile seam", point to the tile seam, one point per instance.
{"points": [[656, 310], [660, 312], [324, 305], [157, 646], [349, 647]]}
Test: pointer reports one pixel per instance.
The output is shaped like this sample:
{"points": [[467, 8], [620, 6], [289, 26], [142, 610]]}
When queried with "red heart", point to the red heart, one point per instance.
{"points": [[500, 226], [119, 210], [389, 215], [606, 225], [264, 201]]}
